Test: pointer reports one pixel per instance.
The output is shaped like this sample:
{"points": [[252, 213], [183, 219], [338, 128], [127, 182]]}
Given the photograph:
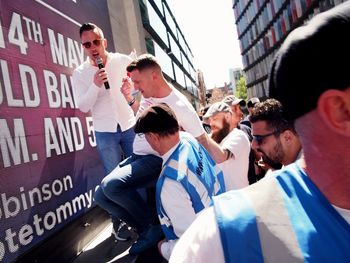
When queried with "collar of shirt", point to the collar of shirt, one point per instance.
{"points": [[166, 156]]}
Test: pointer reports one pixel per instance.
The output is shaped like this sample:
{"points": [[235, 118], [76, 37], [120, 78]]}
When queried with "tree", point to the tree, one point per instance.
{"points": [[241, 89]]}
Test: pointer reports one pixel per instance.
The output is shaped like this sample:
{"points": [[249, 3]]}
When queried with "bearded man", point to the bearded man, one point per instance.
{"points": [[274, 138], [233, 142]]}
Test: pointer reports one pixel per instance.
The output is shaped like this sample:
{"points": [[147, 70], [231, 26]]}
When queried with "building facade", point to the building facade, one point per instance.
{"points": [[262, 25], [202, 89], [217, 94], [235, 74]]}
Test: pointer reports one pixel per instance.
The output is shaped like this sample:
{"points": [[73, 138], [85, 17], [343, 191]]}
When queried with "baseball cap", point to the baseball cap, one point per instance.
{"points": [[233, 100], [252, 102], [313, 58], [216, 108], [156, 118]]}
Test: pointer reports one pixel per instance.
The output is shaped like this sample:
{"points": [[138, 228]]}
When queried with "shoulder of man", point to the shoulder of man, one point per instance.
{"points": [[246, 129], [80, 69], [120, 57]]}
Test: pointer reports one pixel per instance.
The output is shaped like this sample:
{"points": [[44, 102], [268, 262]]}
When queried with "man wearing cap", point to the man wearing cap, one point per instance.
{"points": [[302, 214], [235, 104], [251, 103], [234, 142], [254, 173], [189, 177], [118, 191]]}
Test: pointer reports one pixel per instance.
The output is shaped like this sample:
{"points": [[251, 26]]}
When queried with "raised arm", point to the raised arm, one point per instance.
{"points": [[86, 93], [126, 90], [217, 153]]}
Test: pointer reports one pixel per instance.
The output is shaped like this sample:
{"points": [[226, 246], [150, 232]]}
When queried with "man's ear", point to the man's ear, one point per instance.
{"points": [[288, 136], [105, 42], [228, 116], [154, 75], [334, 108], [154, 136]]}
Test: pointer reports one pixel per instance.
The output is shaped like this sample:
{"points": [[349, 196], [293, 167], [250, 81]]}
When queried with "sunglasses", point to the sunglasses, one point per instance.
{"points": [[260, 138], [96, 42]]}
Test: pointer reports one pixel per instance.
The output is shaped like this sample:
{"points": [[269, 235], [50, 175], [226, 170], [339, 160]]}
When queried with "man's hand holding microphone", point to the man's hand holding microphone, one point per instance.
{"points": [[101, 76]]}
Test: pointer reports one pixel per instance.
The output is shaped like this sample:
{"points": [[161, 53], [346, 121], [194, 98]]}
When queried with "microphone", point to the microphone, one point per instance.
{"points": [[100, 65]]}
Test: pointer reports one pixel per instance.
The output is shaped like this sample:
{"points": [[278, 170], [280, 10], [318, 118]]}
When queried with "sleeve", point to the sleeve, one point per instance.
{"points": [[201, 242], [189, 120], [177, 205], [126, 60], [237, 143], [85, 97]]}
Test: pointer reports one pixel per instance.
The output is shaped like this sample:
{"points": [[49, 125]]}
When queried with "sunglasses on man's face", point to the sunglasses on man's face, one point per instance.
{"points": [[96, 42], [260, 138]]}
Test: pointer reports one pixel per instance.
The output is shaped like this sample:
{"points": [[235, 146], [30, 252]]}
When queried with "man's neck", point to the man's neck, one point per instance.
{"points": [[292, 154], [104, 58], [164, 89], [168, 146], [332, 181]]}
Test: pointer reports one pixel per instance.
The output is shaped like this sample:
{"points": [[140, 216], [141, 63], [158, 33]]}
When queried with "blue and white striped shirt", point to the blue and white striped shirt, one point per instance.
{"points": [[193, 168], [281, 219]]}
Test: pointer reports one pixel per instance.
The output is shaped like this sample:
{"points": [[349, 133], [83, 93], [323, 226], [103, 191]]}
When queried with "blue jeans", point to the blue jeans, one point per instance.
{"points": [[111, 146], [118, 193]]}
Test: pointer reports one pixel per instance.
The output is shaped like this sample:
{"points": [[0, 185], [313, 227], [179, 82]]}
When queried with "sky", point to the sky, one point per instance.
{"points": [[210, 31]]}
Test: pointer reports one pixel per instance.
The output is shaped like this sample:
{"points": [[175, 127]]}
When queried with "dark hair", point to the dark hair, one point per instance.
{"points": [[144, 61], [90, 27], [159, 119], [168, 132], [271, 111], [250, 104]]}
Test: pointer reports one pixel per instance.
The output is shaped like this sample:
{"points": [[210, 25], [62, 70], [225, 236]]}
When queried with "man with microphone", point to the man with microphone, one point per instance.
{"points": [[97, 84]]}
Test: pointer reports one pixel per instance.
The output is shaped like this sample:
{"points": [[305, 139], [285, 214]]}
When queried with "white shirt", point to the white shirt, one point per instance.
{"points": [[203, 228], [235, 169], [108, 107], [185, 114]]}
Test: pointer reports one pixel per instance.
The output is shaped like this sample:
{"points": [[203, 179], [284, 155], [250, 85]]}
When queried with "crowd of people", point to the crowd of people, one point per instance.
{"points": [[271, 186]]}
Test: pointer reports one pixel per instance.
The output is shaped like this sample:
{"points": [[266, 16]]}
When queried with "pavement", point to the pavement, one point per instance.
{"points": [[105, 249]]}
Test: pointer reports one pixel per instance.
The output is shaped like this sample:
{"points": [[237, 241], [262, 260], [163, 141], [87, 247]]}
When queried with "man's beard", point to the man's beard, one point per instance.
{"points": [[276, 161], [274, 165], [219, 135]]}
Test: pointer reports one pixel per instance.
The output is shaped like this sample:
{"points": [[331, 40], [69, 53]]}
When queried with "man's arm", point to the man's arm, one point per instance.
{"points": [[215, 150], [189, 121], [178, 207], [86, 97], [126, 89]]}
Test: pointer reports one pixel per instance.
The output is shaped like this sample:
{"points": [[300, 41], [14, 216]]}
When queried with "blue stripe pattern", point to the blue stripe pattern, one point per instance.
{"points": [[192, 161], [238, 228], [323, 235]]}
